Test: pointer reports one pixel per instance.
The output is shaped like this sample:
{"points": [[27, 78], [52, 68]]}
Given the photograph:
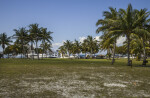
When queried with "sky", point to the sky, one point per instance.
{"points": [[68, 19]]}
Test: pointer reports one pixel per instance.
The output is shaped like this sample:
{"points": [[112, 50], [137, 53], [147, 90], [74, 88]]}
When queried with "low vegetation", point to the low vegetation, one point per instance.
{"points": [[73, 78]]}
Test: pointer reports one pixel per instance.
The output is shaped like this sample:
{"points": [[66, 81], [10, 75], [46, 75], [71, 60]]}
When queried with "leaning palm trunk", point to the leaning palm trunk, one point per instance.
{"points": [[114, 46], [128, 50]]}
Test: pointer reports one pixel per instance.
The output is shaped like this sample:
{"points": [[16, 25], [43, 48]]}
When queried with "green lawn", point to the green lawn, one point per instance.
{"points": [[67, 78]]}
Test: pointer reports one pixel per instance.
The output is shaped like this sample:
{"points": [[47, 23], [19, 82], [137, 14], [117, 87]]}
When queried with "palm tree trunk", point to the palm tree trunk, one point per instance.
{"points": [[78, 56], [114, 46], [69, 55], [37, 49], [32, 50], [42, 55], [42, 50], [24, 51], [128, 50], [3, 52], [108, 53], [91, 54], [144, 52], [85, 56]]}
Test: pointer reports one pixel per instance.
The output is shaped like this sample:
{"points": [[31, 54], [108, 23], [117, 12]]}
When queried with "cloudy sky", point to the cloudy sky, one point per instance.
{"points": [[68, 19]]}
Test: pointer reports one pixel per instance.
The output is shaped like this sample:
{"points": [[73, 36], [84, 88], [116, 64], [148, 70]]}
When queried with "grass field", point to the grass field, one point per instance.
{"points": [[72, 78]]}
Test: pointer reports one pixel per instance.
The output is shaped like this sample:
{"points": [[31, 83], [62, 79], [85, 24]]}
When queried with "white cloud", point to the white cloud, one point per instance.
{"points": [[97, 38], [81, 39], [120, 41], [55, 46]]}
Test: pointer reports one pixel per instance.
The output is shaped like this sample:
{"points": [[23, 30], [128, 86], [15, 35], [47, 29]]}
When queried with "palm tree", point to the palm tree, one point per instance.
{"points": [[143, 29], [4, 40], [34, 36], [95, 47], [91, 43], [107, 23], [127, 24], [47, 47], [77, 47], [21, 38], [106, 44], [84, 47], [45, 37], [62, 50], [68, 46]]}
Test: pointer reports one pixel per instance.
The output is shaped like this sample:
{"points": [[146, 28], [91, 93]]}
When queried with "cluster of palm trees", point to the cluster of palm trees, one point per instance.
{"points": [[89, 45], [130, 23], [24, 38]]}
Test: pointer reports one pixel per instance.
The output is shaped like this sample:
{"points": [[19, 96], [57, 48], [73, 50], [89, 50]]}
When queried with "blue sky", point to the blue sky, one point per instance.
{"points": [[68, 19]]}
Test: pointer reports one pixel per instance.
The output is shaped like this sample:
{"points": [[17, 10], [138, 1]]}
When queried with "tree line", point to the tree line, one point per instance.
{"points": [[89, 45], [25, 37]]}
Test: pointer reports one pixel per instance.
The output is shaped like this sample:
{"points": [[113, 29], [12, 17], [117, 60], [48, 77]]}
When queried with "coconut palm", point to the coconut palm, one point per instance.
{"points": [[108, 23], [62, 50], [77, 46], [143, 28], [34, 36], [84, 47], [91, 43], [95, 47], [68, 46], [21, 36], [45, 37], [106, 44], [47, 48], [4, 40], [128, 22]]}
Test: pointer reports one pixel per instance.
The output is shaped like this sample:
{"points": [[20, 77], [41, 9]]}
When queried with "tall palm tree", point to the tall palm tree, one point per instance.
{"points": [[4, 40], [127, 24], [45, 37], [21, 38], [107, 23], [34, 35], [143, 29], [68, 46]]}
